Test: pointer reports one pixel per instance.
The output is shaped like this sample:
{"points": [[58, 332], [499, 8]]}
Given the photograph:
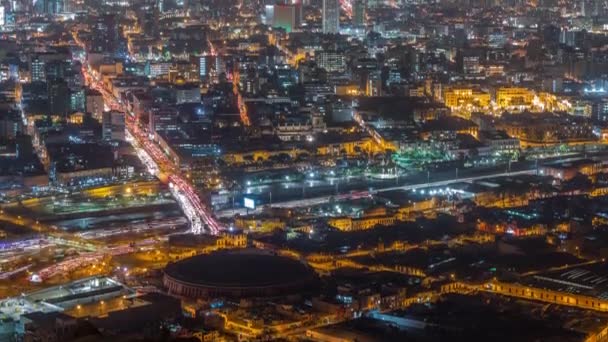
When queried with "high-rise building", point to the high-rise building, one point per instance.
{"points": [[50, 6], [331, 16], [77, 100], [94, 104], [299, 11], [220, 64], [37, 69], [470, 65], [59, 98], [107, 33], [359, 12], [284, 16], [10, 124], [203, 68], [162, 119], [331, 61], [269, 14], [22, 5], [187, 93], [113, 126]]}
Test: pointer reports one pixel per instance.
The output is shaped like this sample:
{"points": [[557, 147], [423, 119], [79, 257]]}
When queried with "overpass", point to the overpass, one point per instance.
{"points": [[324, 199]]}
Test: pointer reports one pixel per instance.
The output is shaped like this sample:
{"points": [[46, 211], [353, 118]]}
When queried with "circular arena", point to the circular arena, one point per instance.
{"points": [[237, 275]]}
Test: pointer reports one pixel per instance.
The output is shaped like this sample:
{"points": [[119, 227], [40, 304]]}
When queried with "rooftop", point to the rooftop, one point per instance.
{"points": [[238, 269]]}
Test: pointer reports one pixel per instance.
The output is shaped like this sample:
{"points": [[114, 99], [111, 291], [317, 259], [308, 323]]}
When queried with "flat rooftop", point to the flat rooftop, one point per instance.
{"points": [[79, 289], [589, 280], [104, 307], [51, 299]]}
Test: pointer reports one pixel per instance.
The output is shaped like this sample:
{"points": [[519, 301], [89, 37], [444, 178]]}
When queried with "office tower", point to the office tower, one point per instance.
{"points": [[49, 6], [77, 100], [299, 11], [113, 126], [359, 13], [331, 16], [470, 65], [37, 69], [94, 104], [331, 61], [284, 16], [59, 98]]}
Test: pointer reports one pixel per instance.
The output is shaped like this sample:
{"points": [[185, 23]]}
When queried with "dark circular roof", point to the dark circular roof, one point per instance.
{"points": [[239, 269]]}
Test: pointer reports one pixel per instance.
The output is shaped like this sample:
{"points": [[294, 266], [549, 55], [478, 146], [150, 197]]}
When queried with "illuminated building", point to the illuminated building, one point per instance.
{"points": [[50, 6], [220, 65], [284, 16], [269, 14], [94, 104], [499, 141], [470, 65], [77, 163], [120, 3], [160, 69], [10, 125], [548, 296], [359, 12], [259, 223], [514, 228], [188, 72], [187, 93], [229, 240], [394, 77], [495, 70], [581, 108], [352, 224], [568, 170], [37, 69], [331, 16], [162, 119], [294, 130], [417, 91], [77, 100], [331, 61], [457, 97], [507, 97], [578, 286], [497, 40], [347, 89], [325, 145], [203, 66], [543, 128], [373, 86]]}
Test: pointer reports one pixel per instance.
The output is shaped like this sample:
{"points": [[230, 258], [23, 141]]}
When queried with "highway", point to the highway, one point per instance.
{"points": [[200, 217], [236, 77]]}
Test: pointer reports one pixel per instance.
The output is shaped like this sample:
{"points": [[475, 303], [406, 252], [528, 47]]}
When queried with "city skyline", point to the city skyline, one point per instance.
{"points": [[303, 170]]}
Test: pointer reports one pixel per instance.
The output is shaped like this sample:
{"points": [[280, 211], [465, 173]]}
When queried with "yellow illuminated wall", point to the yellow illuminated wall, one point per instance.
{"points": [[514, 96], [457, 97]]}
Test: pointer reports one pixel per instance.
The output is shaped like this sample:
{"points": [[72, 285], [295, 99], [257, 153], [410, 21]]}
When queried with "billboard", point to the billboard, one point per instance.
{"points": [[249, 203]]}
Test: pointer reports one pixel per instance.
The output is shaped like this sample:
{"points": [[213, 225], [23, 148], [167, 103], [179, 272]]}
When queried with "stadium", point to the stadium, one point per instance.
{"points": [[237, 275]]}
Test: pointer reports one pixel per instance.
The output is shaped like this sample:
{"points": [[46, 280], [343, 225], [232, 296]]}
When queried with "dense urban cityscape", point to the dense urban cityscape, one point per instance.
{"points": [[303, 170]]}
